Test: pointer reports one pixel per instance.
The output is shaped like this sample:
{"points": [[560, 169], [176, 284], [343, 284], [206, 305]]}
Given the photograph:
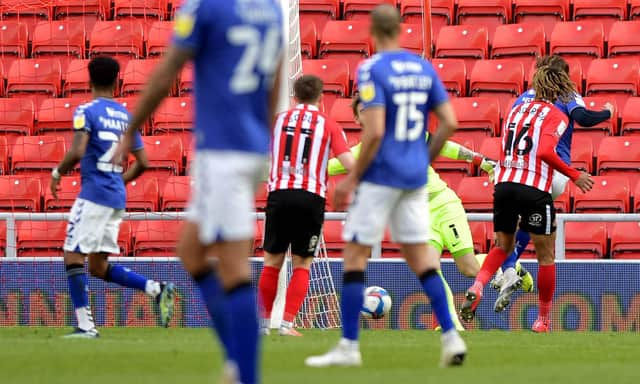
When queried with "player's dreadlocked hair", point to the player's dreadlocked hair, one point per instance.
{"points": [[551, 83]]}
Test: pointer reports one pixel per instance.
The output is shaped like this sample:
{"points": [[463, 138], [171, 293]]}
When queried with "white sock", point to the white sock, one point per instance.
{"points": [[286, 324], [265, 323], [85, 318], [353, 345], [152, 288]]}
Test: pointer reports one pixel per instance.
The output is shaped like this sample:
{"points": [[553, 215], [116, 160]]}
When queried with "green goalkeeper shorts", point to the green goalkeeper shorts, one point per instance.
{"points": [[449, 226]]}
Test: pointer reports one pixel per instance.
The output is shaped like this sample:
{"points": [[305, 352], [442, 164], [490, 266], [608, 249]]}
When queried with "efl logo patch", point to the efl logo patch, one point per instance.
{"points": [[535, 220], [184, 25], [367, 92], [79, 121]]}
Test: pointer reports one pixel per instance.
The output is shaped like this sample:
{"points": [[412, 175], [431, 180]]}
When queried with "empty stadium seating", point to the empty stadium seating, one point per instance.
{"points": [[135, 76], [346, 39], [122, 39], [359, 9], [16, 118], [411, 38], [76, 79], [159, 37], [308, 40], [476, 194], [625, 240], [155, 238], [631, 117], [613, 78], [606, 12], [143, 195], [332, 235], [36, 79], [335, 76], [175, 114], [165, 153], [523, 42], [20, 194], [610, 194], [620, 156], [488, 13], [67, 194], [468, 42], [548, 13], [582, 153], [583, 40], [585, 240], [623, 39], [453, 73], [60, 39], [262, 194], [175, 194], [55, 117], [478, 118], [37, 155], [318, 12], [442, 14], [502, 79], [13, 42], [40, 238]]}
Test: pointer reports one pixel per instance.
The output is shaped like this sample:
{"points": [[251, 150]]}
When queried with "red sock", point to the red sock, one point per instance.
{"points": [[492, 262], [296, 292], [267, 289], [546, 288]]}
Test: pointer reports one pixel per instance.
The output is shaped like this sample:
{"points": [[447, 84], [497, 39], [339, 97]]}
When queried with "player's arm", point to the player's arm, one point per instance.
{"points": [[455, 151], [138, 167], [589, 118], [71, 158], [340, 147]]}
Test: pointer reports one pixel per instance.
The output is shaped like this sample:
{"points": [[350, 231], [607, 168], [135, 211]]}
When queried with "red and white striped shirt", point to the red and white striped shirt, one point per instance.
{"points": [[302, 138], [529, 139]]}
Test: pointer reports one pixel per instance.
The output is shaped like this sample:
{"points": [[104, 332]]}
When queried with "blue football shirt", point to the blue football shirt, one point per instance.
{"points": [[564, 145], [408, 88], [237, 46], [105, 121]]}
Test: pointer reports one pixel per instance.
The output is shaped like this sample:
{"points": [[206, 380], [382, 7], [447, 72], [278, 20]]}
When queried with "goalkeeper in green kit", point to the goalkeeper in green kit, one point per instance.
{"points": [[449, 225]]}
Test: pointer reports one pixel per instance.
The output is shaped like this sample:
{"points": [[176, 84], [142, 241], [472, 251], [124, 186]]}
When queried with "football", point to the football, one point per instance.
{"points": [[377, 303]]}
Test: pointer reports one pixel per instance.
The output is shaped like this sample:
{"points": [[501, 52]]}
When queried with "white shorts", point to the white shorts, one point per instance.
{"points": [[93, 228], [375, 206], [558, 184], [223, 194]]}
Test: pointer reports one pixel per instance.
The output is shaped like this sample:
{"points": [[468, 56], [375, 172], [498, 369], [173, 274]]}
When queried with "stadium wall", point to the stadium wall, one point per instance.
{"points": [[590, 296]]}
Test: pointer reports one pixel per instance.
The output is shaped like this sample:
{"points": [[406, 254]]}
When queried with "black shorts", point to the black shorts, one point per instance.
{"points": [[294, 217], [534, 208]]}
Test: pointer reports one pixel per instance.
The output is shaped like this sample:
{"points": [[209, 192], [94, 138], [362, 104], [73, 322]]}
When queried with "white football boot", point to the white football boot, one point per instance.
{"points": [[345, 354], [453, 349], [510, 283]]}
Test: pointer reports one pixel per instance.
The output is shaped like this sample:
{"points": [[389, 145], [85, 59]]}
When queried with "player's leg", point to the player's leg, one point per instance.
{"points": [[364, 227], [79, 292], [277, 238], [505, 218], [410, 228], [309, 209]]}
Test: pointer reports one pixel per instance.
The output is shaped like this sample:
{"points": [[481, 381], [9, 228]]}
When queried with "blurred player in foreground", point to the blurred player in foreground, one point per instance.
{"points": [[398, 90], [449, 225], [524, 178], [574, 108], [95, 217], [302, 139], [236, 46]]}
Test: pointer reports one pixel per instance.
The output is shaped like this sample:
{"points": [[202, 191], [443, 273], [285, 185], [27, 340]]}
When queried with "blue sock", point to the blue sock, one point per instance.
{"points": [[78, 285], [351, 303], [244, 325], [522, 240], [214, 298], [434, 288], [126, 277]]}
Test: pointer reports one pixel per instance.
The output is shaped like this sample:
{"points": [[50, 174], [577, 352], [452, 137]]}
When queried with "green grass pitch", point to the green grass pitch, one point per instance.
{"points": [[141, 356]]}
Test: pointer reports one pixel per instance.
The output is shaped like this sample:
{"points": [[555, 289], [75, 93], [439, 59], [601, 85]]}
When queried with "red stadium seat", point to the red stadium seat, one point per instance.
{"points": [[13, 41], [175, 114], [479, 235], [476, 194], [631, 117], [76, 79], [4, 156], [156, 238], [360, 9], [468, 42], [165, 156], [620, 156], [29, 12], [56, 115], [609, 194], [60, 39], [562, 203], [124, 238], [441, 14], [583, 40], [143, 195], [491, 148], [599, 131], [175, 194], [69, 189], [332, 235], [625, 240], [136, 74], [623, 39], [503, 79], [308, 40], [122, 39], [478, 118], [335, 75], [585, 240], [16, 118], [607, 12], [636, 198], [258, 239], [159, 38], [411, 38], [185, 82], [319, 12], [262, 193], [342, 113], [548, 13], [3, 237], [614, 78], [20, 194], [634, 10], [453, 73], [36, 79], [523, 42], [575, 72], [582, 153], [488, 13], [65, 9], [147, 10], [346, 39], [37, 155], [41, 238]]}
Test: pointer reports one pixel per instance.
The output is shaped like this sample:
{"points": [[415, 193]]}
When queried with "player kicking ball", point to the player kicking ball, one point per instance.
{"points": [[449, 225], [524, 178], [95, 217], [398, 90]]}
